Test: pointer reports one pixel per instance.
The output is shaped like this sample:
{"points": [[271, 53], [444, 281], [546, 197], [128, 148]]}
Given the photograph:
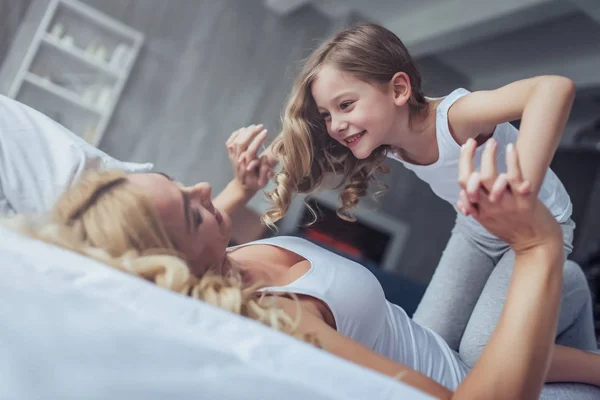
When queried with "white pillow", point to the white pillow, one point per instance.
{"points": [[73, 328], [39, 159]]}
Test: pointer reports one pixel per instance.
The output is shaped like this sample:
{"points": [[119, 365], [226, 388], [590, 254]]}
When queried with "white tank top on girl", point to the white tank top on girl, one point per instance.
{"points": [[361, 312], [443, 174]]}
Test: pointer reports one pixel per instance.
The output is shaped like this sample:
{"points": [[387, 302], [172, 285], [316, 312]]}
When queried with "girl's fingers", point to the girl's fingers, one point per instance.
{"points": [[257, 141], [233, 136], [265, 169], [244, 137], [248, 134]]}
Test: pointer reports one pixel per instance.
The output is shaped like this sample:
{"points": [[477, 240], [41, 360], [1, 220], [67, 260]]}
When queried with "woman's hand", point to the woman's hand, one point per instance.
{"points": [[504, 203], [242, 140], [515, 360], [251, 172]]}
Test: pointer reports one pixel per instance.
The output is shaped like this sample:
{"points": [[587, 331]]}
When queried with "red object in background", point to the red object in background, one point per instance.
{"points": [[328, 240]]}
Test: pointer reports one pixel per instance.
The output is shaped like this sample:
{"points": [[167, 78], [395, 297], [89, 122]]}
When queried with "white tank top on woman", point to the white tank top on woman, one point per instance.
{"points": [[442, 176], [361, 312]]}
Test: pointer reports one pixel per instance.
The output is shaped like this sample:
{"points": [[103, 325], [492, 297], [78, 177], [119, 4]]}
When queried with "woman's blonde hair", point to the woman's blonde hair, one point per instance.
{"points": [[305, 151], [108, 218]]}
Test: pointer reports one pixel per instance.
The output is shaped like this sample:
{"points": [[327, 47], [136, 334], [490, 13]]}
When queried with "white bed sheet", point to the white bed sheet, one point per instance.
{"points": [[73, 328]]}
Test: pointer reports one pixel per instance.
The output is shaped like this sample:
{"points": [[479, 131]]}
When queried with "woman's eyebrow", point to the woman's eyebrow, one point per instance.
{"points": [[165, 175], [186, 203]]}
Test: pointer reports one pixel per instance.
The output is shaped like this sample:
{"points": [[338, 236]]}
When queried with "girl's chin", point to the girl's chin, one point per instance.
{"points": [[363, 149], [362, 153]]}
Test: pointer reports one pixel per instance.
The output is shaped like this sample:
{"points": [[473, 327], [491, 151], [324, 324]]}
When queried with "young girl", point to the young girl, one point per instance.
{"points": [[359, 100]]}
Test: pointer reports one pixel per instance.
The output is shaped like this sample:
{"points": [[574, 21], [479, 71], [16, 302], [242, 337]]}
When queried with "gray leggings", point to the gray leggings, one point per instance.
{"points": [[464, 301]]}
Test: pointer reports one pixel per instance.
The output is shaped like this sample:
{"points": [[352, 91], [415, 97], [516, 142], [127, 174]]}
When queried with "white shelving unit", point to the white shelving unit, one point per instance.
{"points": [[76, 67]]}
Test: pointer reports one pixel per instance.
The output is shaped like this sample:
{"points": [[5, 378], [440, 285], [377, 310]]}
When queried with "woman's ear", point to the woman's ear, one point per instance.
{"points": [[401, 88]]}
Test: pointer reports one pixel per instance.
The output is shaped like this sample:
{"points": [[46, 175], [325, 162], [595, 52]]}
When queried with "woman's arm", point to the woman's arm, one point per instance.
{"points": [[344, 347], [542, 104], [233, 198], [513, 364]]}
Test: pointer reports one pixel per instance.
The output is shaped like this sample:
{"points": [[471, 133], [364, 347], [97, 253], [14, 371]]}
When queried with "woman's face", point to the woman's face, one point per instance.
{"points": [[196, 227]]}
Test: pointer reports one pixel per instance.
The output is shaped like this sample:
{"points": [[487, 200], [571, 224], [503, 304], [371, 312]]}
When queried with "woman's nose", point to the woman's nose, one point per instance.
{"points": [[202, 189]]}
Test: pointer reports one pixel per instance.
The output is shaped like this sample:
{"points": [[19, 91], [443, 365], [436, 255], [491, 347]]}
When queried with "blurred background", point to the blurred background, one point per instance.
{"points": [[168, 81]]}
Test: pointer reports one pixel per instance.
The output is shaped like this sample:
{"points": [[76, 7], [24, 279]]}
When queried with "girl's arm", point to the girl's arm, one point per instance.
{"points": [[542, 104]]}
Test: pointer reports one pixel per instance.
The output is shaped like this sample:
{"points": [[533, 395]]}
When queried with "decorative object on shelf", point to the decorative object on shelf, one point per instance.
{"points": [[120, 57], [76, 67], [57, 30], [67, 41]]}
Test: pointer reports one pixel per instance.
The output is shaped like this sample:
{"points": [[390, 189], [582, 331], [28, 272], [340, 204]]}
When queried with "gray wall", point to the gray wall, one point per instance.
{"points": [[208, 67], [11, 15]]}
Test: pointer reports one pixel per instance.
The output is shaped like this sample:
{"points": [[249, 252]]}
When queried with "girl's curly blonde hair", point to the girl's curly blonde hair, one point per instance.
{"points": [[110, 219], [304, 149]]}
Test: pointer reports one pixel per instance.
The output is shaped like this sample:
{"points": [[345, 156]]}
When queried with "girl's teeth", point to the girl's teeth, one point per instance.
{"points": [[354, 138]]}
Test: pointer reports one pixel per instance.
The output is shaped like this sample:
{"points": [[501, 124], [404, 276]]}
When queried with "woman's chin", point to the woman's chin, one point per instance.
{"points": [[225, 225]]}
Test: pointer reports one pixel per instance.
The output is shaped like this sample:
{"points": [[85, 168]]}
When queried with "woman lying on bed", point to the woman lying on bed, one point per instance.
{"points": [[152, 226]]}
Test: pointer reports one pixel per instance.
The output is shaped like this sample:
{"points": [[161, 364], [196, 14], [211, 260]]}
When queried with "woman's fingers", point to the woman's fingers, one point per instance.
{"points": [[473, 186], [524, 188], [465, 163], [514, 173], [464, 205], [241, 171], [488, 164], [255, 174], [460, 205], [252, 164], [498, 188], [513, 167]]}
